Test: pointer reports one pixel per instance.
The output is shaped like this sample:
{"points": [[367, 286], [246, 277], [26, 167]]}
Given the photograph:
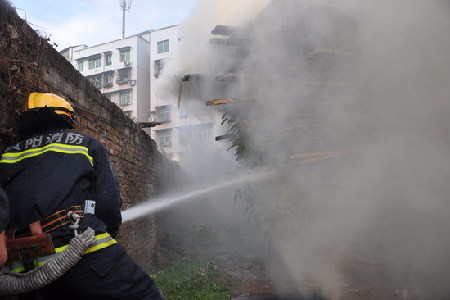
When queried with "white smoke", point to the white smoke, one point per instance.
{"points": [[197, 55], [364, 78]]}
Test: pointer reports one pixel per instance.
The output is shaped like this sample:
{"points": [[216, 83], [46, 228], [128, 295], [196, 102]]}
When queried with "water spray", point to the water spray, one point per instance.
{"points": [[157, 204]]}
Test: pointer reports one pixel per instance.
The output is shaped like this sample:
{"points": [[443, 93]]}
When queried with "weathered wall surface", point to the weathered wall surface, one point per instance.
{"points": [[28, 63]]}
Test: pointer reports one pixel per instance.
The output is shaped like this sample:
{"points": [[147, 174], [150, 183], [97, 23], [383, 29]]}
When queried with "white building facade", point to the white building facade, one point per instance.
{"points": [[182, 130], [120, 70], [127, 71]]}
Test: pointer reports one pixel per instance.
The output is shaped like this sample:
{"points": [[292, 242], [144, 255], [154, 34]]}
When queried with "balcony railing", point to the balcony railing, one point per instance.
{"points": [[122, 81]]}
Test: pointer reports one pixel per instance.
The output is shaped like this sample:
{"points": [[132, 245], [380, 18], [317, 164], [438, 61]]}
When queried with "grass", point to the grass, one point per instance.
{"points": [[186, 278]]}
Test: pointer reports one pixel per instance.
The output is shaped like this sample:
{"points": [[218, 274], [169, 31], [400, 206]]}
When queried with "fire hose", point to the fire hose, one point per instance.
{"points": [[18, 283]]}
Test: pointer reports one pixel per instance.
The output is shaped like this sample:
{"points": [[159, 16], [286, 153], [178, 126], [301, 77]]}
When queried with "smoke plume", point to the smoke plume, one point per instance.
{"points": [[368, 83]]}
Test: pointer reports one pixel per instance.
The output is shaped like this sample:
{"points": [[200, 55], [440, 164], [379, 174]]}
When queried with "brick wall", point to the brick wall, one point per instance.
{"points": [[29, 63]]}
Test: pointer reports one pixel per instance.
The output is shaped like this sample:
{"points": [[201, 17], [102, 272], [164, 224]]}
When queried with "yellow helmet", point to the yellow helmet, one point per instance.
{"points": [[58, 104]]}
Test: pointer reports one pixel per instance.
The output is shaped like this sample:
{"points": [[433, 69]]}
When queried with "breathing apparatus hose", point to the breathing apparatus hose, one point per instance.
{"points": [[18, 283]]}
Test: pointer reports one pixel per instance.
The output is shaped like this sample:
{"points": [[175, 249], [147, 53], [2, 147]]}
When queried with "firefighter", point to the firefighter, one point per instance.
{"points": [[53, 174]]}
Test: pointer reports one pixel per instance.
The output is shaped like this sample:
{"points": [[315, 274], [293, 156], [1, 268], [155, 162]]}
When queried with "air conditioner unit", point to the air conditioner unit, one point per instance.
{"points": [[127, 63], [132, 82]]}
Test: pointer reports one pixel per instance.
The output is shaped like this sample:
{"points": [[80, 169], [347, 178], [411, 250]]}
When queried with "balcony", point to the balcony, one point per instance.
{"points": [[163, 117], [122, 80], [166, 144]]}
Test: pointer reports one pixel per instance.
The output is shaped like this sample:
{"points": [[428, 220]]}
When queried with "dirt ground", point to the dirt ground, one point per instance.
{"points": [[251, 280]]}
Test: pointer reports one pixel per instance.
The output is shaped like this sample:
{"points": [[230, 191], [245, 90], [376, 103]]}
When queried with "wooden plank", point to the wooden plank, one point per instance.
{"points": [[314, 156], [149, 124], [227, 101]]}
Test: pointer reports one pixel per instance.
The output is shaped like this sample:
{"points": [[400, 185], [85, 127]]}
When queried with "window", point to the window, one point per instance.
{"points": [[96, 81], [163, 113], [183, 136], [124, 76], [108, 59], [125, 55], [163, 46], [80, 65], [124, 98], [196, 134], [95, 63], [108, 79], [182, 113], [164, 138], [203, 136]]}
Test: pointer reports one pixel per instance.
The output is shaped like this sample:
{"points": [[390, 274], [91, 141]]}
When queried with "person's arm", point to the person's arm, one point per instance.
{"points": [[106, 191]]}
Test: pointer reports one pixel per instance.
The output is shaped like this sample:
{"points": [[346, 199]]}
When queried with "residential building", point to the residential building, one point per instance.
{"points": [[127, 72], [68, 52], [182, 129], [120, 70]]}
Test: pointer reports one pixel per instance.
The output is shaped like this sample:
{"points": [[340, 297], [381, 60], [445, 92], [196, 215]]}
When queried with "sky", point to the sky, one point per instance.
{"points": [[91, 22]]}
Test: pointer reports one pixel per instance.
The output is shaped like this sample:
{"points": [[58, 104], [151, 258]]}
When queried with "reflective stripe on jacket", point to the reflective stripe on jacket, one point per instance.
{"points": [[14, 157], [102, 241]]}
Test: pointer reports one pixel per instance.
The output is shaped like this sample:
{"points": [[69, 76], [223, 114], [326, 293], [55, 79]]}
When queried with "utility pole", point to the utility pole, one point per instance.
{"points": [[125, 5]]}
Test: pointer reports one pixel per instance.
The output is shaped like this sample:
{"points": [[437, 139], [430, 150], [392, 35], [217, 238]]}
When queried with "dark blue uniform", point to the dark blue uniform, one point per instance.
{"points": [[62, 168], [4, 215]]}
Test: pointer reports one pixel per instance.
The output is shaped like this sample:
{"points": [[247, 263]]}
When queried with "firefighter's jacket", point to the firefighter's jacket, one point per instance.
{"points": [[56, 170], [4, 214]]}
